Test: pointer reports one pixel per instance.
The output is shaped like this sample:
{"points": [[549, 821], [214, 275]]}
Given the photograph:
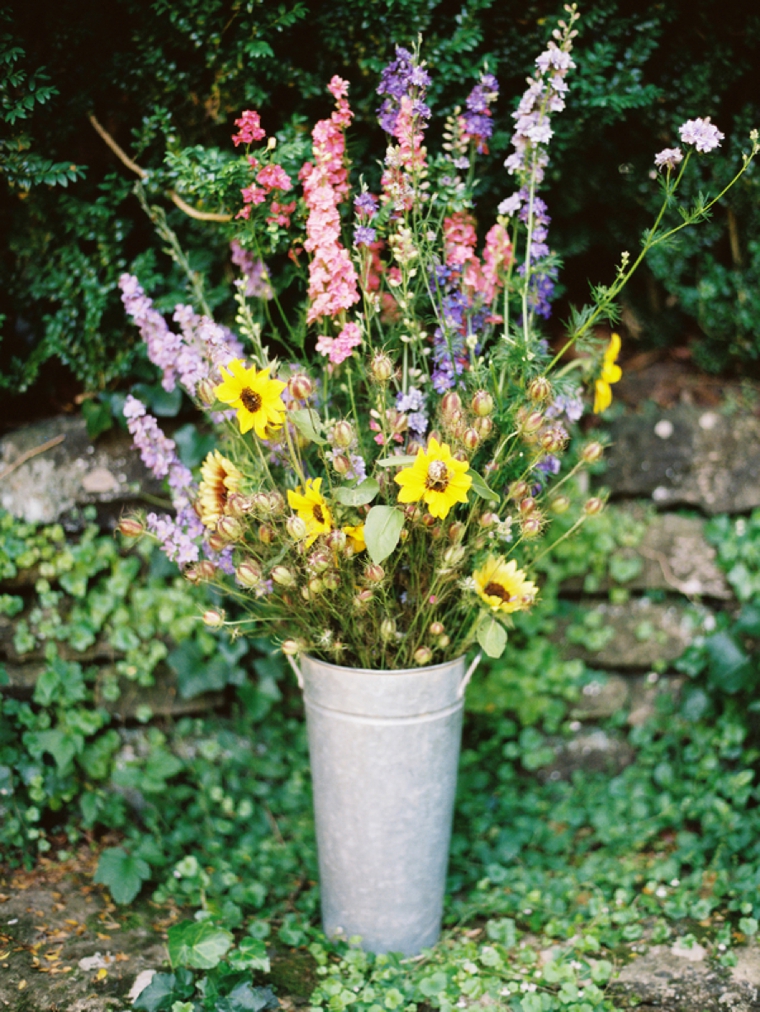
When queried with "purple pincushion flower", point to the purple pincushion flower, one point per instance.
{"points": [[668, 158], [703, 134]]}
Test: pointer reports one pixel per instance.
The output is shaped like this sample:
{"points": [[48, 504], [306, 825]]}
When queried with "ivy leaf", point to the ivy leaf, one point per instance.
{"points": [[308, 423], [158, 995], [122, 873], [251, 954], [730, 667], [402, 460], [247, 998], [492, 636], [480, 488], [360, 494], [199, 944], [382, 529]]}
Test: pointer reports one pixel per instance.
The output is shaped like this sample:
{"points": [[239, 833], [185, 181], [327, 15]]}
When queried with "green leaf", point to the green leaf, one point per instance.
{"points": [[97, 417], [492, 636], [308, 423], [480, 488], [164, 403], [247, 998], [730, 667], [748, 621], [199, 944], [158, 995], [122, 873], [358, 495], [251, 954], [382, 530], [402, 460]]}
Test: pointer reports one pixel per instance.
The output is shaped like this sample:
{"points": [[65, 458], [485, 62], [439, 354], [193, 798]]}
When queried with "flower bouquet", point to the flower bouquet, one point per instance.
{"points": [[396, 456]]}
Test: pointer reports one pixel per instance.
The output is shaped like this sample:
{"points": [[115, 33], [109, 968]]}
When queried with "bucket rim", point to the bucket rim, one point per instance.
{"points": [[421, 669]]}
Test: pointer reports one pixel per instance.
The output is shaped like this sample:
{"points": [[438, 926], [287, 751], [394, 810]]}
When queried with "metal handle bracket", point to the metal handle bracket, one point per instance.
{"points": [[468, 675]]}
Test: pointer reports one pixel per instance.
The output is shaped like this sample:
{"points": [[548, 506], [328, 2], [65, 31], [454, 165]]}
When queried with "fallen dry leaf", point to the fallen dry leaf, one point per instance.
{"points": [[21, 985], [101, 974]]}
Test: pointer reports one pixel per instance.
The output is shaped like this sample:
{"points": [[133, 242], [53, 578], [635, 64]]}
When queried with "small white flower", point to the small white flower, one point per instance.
{"points": [[703, 134]]}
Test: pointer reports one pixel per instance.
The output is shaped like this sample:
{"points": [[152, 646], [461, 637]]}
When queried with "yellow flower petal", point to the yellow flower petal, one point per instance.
{"points": [[255, 397], [504, 587], [312, 508], [611, 373], [436, 478]]}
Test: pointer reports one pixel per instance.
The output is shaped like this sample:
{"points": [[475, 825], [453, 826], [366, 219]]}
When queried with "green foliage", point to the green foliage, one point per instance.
{"points": [[123, 873]]}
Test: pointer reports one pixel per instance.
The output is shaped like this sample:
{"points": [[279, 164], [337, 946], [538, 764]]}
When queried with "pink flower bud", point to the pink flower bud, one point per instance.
{"points": [[423, 655], [213, 619], [518, 490], [482, 403], [341, 463], [456, 532], [131, 527], [527, 505], [539, 389], [342, 433], [248, 573], [531, 526], [532, 422], [436, 629], [429, 520], [450, 402], [489, 519], [593, 506], [300, 387], [336, 541], [319, 560]]}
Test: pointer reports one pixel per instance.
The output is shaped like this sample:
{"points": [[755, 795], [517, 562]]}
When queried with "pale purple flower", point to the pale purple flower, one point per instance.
{"points": [[510, 205], [157, 450], [703, 134], [254, 271], [365, 203], [668, 158], [163, 345], [364, 235]]}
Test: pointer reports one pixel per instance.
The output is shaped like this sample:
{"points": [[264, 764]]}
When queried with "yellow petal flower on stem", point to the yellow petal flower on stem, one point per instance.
{"points": [[219, 477], [503, 586], [435, 477], [312, 508], [611, 373], [255, 397], [355, 537]]}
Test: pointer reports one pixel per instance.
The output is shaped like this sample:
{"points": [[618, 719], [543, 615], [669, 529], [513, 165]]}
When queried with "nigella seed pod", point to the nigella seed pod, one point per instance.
{"points": [[483, 426], [450, 403], [413, 447], [436, 629], [206, 569], [374, 573], [436, 532], [423, 655], [532, 423], [336, 540], [229, 528], [527, 505], [454, 555], [319, 561], [316, 586], [593, 506], [403, 535], [291, 648], [531, 526], [471, 439], [560, 504], [216, 542], [488, 519], [300, 387], [456, 532], [206, 392], [306, 594], [276, 503], [267, 534], [131, 527], [387, 629], [213, 618], [459, 455], [341, 463], [592, 452], [412, 512], [436, 435], [296, 527], [283, 576], [429, 520], [443, 642], [482, 403], [260, 502], [554, 439], [518, 490], [342, 433], [248, 573], [236, 505], [381, 367], [331, 580], [539, 389], [191, 575]]}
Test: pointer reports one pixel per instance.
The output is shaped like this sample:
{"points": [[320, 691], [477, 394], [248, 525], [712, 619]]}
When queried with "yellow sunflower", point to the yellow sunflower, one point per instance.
{"points": [[503, 586], [219, 477], [435, 477], [255, 397], [355, 537], [312, 508], [611, 373]]}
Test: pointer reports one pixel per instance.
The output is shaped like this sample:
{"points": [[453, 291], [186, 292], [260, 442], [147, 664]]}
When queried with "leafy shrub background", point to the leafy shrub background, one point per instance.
{"points": [[167, 77]]}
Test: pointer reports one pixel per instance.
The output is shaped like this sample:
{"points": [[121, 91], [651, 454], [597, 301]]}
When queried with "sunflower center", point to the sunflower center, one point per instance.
{"points": [[496, 590], [437, 479], [318, 513], [251, 400]]}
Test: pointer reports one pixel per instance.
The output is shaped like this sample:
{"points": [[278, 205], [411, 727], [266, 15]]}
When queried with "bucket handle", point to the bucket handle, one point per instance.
{"points": [[468, 674], [297, 672], [460, 691]]}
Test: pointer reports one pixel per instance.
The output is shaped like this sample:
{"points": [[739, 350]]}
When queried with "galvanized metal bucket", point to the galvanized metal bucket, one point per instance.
{"points": [[384, 749]]}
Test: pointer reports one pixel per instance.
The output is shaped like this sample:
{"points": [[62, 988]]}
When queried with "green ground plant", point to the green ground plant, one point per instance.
{"points": [[552, 883]]}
